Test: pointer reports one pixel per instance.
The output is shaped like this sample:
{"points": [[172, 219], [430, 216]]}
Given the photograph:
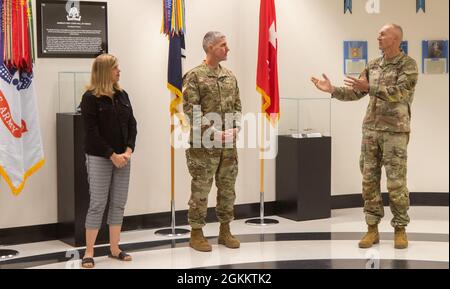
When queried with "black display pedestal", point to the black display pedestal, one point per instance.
{"points": [[73, 188], [303, 178]]}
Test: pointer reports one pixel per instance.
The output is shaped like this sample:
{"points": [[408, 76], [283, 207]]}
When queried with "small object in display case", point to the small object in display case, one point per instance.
{"points": [[305, 117]]}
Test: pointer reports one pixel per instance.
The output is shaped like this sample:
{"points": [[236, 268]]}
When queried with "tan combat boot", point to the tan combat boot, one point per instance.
{"points": [[225, 237], [372, 237], [199, 242], [401, 241]]}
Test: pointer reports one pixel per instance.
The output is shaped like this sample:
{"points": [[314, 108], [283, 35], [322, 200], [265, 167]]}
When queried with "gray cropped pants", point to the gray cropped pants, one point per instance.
{"points": [[106, 180]]}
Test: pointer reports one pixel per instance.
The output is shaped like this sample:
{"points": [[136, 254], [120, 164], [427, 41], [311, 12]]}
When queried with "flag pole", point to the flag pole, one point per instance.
{"points": [[264, 82], [173, 26], [172, 231], [25, 42], [261, 221]]}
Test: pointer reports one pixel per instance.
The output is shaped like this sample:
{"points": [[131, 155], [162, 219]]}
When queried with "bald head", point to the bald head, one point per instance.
{"points": [[390, 37], [397, 30]]}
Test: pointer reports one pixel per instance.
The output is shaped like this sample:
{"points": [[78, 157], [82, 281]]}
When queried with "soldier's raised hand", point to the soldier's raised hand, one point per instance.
{"points": [[324, 85], [358, 84]]}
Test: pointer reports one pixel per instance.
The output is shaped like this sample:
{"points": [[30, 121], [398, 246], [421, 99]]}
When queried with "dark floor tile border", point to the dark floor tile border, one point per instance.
{"points": [[101, 251], [47, 232]]}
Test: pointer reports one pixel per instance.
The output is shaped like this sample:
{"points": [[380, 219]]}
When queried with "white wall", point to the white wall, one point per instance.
{"points": [[310, 38]]}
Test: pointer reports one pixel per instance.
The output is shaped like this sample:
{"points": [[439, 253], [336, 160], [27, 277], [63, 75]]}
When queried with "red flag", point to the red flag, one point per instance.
{"points": [[16, 28], [267, 74]]}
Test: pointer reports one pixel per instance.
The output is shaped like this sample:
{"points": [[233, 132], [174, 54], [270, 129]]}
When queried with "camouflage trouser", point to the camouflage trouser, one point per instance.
{"points": [[389, 150], [203, 165]]}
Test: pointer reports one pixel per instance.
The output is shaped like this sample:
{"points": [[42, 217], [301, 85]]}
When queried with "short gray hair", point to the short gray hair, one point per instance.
{"points": [[398, 28], [210, 38]]}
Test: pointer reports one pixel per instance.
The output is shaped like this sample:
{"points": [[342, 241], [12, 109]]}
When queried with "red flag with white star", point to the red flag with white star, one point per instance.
{"points": [[267, 73]]}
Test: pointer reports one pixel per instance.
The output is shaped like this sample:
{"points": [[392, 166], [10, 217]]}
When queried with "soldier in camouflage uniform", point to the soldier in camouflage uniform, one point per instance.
{"points": [[390, 82], [212, 103]]}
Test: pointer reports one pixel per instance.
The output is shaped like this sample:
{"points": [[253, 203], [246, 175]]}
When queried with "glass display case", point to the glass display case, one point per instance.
{"points": [[71, 86], [305, 117]]}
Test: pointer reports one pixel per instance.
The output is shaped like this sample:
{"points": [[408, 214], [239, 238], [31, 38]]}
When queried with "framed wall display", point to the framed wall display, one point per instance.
{"points": [[435, 56], [355, 57], [71, 29]]}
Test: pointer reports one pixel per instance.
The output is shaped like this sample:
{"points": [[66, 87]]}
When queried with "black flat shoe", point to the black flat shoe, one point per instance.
{"points": [[88, 263], [122, 256]]}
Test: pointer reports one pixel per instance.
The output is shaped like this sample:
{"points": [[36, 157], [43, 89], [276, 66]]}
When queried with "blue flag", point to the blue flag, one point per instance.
{"points": [[175, 71], [348, 6], [420, 4]]}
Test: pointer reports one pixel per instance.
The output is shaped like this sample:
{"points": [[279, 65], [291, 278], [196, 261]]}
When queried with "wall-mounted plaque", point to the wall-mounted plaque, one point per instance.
{"points": [[71, 29], [435, 57], [355, 57]]}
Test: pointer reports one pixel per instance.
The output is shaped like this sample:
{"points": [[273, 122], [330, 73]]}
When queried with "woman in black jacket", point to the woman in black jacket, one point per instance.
{"points": [[110, 140]]}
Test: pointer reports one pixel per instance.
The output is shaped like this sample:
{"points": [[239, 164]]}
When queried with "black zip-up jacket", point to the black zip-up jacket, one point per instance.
{"points": [[109, 123]]}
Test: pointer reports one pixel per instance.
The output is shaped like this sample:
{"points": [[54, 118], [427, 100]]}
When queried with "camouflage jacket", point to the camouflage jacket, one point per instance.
{"points": [[392, 85], [216, 92]]}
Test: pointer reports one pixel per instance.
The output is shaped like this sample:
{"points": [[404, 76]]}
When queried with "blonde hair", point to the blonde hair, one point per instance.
{"points": [[101, 76]]}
